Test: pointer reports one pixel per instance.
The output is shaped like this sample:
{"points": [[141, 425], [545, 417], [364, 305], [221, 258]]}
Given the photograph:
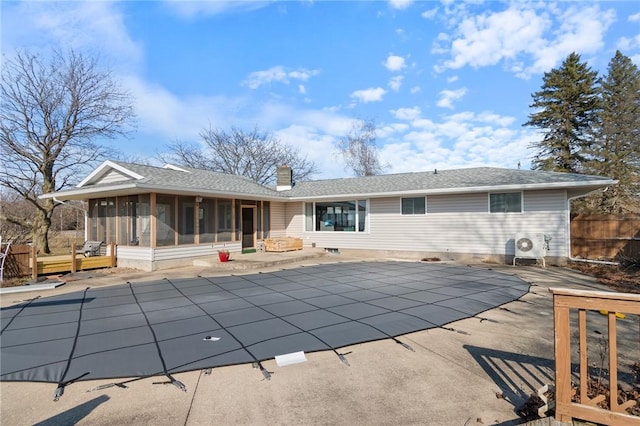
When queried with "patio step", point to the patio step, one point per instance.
{"points": [[259, 260]]}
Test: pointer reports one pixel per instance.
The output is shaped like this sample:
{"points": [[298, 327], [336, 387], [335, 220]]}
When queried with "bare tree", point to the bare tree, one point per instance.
{"points": [[254, 154], [359, 149], [51, 110], [15, 216]]}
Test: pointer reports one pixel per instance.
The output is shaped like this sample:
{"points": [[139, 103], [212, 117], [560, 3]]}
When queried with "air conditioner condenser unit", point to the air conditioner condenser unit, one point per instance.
{"points": [[531, 246]]}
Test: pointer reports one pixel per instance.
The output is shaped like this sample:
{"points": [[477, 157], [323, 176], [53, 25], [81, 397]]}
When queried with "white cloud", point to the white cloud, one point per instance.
{"points": [[429, 14], [458, 141], [374, 94], [396, 82], [394, 63], [526, 40], [448, 97], [582, 31], [277, 74], [301, 89], [415, 90], [634, 18], [487, 38], [400, 4], [317, 146], [162, 113], [202, 8], [452, 79], [409, 114], [91, 27]]}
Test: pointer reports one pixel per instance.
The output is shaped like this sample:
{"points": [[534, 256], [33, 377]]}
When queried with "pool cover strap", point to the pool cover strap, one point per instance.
{"points": [[62, 383], [18, 313], [172, 380]]}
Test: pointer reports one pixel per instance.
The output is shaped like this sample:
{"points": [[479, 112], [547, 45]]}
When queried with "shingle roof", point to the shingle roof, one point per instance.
{"points": [[198, 180], [441, 181], [203, 182]]}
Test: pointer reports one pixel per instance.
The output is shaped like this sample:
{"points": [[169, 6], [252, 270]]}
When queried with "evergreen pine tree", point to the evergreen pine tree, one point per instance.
{"points": [[566, 108], [616, 149]]}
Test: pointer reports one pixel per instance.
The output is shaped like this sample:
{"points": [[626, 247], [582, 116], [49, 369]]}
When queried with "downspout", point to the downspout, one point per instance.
{"points": [[574, 259]]}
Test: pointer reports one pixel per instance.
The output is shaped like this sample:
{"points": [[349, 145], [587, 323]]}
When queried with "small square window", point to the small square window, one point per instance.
{"points": [[413, 205], [508, 202]]}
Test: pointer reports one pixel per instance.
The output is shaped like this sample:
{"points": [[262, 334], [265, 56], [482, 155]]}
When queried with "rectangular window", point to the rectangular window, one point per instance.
{"points": [[342, 216], [362, 215], [308, 217], [413, 205], [506, 202]]}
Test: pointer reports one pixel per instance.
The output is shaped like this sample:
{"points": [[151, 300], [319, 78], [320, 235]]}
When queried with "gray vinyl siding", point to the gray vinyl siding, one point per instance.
{"points": [[277, 214], [459, 226], [458, 203]]}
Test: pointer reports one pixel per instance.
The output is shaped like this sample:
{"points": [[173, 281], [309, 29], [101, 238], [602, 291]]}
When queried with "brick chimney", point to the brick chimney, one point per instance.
{"points": [[284, 178]]}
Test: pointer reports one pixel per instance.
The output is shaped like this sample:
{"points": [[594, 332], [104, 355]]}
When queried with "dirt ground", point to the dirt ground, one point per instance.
{"points": [[624, 278]]}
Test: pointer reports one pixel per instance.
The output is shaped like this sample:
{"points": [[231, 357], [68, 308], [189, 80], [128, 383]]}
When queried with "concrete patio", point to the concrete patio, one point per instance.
{"points": [[478, 372]]}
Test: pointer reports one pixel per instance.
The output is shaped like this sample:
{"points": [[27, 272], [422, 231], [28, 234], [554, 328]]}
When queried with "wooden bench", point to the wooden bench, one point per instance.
{"points": [[90, 248]]}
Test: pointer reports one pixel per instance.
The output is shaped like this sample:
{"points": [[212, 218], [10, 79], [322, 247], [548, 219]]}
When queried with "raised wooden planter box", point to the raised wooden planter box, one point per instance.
{"points": [[283, 244]]}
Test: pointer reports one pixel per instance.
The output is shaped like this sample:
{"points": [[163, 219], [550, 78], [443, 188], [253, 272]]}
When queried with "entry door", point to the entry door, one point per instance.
{"points": [[248, 227]]}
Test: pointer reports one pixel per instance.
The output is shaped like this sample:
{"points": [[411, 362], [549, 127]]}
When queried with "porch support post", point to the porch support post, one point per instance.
{"points": [[152, 221]]}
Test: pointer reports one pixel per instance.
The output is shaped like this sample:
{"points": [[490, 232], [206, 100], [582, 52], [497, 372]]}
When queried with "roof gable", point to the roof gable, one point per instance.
{"points": [[109, 172]]}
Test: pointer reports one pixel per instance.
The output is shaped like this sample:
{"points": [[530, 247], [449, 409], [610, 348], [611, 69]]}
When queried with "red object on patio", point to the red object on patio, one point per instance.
{"points": [[223, 256]]}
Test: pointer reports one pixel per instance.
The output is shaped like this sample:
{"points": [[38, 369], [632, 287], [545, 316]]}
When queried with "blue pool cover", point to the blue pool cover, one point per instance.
{"points": [[168, 326]]}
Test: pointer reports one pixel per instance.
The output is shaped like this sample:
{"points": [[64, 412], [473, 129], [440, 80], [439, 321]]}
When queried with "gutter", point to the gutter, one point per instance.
{"points": [[574, 259]]}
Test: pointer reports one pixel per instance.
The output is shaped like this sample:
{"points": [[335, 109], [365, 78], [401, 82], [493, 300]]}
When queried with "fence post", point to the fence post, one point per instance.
{"points": [[34, 262], [73, 258], [113, 254], [562, 345]]}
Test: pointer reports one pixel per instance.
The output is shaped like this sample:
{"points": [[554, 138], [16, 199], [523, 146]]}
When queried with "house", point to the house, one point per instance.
{"points": [[161, 217]]}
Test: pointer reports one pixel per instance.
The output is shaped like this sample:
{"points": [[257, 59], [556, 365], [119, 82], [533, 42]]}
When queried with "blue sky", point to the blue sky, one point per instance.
{"points": [[448, 83]]}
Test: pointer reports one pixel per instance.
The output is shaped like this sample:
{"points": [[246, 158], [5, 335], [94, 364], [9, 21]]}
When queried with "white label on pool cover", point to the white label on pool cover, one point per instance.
{"points": [[292, 358]]}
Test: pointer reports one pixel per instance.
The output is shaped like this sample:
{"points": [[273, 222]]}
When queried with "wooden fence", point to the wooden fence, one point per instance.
{"points": [[587, 408], [21, 259], [605, 237], [17, 262]]}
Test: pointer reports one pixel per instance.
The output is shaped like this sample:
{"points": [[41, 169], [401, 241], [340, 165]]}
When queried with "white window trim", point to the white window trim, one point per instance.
{"points": [[414, 214], [506, 192], [367, 224]]}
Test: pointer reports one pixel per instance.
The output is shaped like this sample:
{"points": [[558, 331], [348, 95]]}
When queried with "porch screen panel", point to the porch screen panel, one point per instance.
{"points": [[238, 222], [206, 221], [93, 220], [144, 220], [165, 227], [186, 220], [102, 220], [127, 221], [224, 220]]}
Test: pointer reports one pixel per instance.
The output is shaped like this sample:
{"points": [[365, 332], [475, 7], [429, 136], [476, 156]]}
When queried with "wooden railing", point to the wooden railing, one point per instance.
{"points": [[588, 409]]}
